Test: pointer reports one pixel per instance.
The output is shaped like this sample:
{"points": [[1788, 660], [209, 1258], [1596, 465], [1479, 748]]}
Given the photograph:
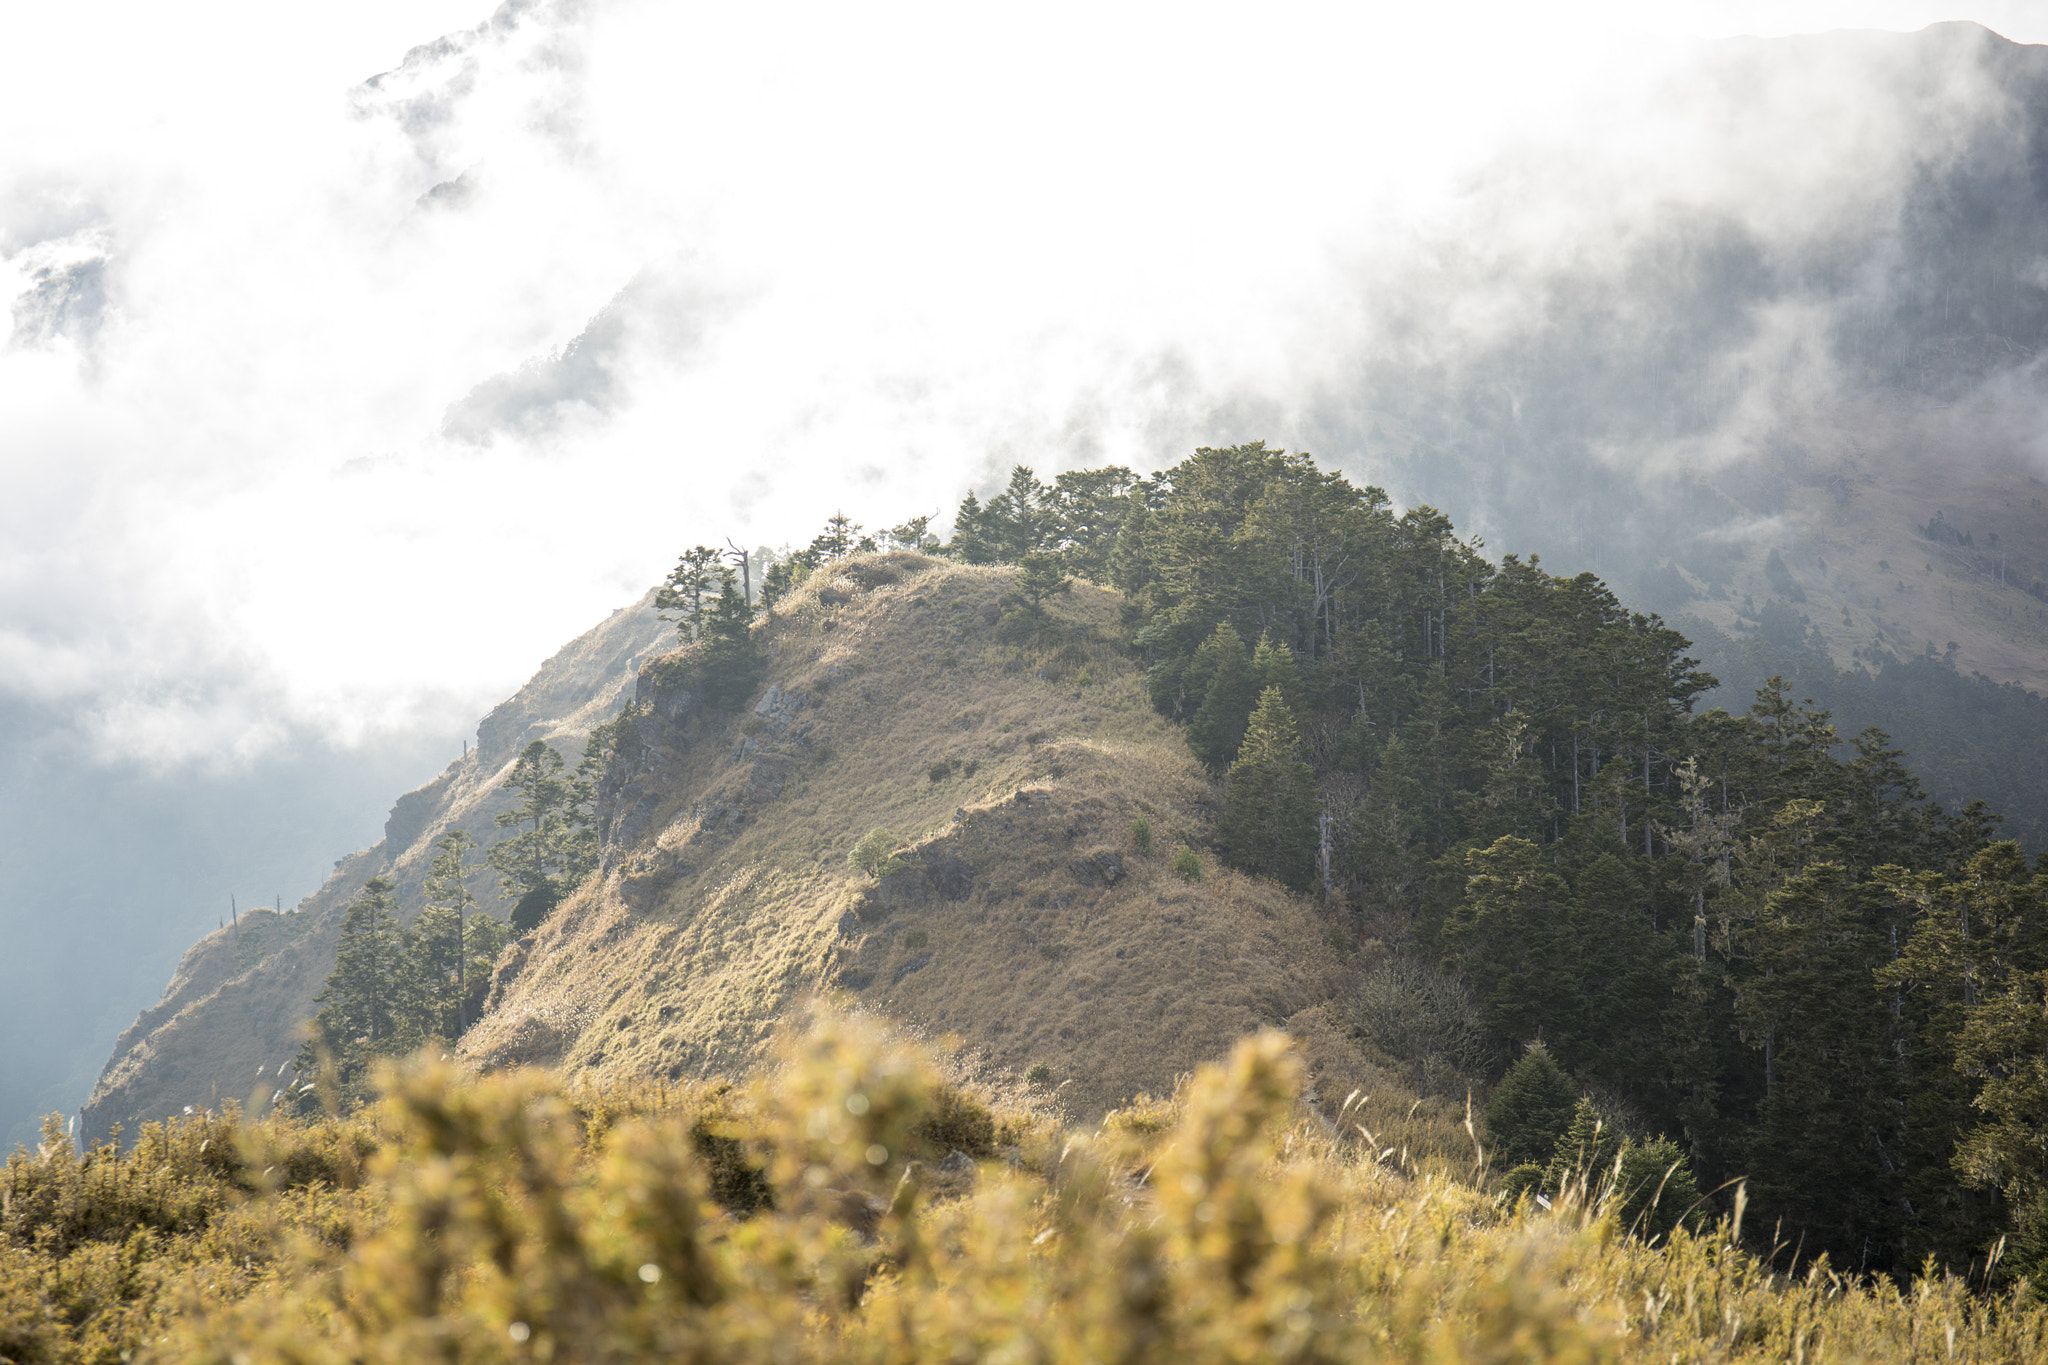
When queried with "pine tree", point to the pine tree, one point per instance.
{"points": [[543, 861], [1269, 815], [1017, 520], [440, 935], [1529, 1110], [840, 538], [1273, 666], [912, 535], [971, 542], [528, 858], [683, 591], [1584, 1156], [361, 1013], [1654, 1190], [1130, 567], [728, 664], [1228, 692], [1085, 511], [1511, 937], [1040, 578]]}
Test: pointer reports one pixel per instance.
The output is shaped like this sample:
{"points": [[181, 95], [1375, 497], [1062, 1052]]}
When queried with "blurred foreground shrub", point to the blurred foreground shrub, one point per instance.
{"points": [[852, 1206]]}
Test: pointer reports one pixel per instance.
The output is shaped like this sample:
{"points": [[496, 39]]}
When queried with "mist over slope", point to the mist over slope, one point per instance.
{"points": [[1799, 308], [111, 873], [233, 1013]]}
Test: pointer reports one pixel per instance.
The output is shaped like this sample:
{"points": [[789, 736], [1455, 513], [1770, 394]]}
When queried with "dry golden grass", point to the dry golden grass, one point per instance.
{"points": [[849, 1206], [1026, 756]]}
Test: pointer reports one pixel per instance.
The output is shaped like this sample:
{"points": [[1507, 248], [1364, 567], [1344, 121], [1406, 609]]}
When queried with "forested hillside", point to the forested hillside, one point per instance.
{"points": [[1742, 928]]}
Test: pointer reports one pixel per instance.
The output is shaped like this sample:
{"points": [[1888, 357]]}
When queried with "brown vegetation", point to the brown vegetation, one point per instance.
{"points": [[852, 1205], [1012, 756]]}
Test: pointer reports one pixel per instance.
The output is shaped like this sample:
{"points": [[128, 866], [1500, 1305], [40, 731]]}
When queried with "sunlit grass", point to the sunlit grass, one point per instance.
{"points": [[850, 1205]]}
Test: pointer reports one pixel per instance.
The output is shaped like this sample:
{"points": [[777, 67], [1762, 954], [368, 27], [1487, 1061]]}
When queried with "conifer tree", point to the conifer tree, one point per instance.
{"points": [[1228, 692], [362, 1011], [1269, 816], [971, 542], [840, 538], [1130, 568], [1016, 520], [1584, 1156], [913, 534], [1039, 579], [1529, 1110], [1085, 512], [1512, 938], [683, 591], [1273, 666], [1654, 1189], [728, 664], [543, 861], [441, 936]]}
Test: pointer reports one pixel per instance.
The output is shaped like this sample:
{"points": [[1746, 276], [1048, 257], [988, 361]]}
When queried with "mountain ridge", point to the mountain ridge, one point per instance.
{"points": [[229, 1019]]}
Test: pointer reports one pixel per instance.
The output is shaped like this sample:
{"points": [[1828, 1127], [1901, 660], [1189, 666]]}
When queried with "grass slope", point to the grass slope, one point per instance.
{"points": [[1023, 921]]}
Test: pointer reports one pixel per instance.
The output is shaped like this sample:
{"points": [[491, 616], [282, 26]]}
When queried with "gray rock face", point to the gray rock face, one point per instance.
{"points": [[928, 873]]}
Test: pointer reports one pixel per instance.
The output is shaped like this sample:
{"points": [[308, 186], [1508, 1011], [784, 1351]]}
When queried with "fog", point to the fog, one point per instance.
{"points": [[334, 401]]}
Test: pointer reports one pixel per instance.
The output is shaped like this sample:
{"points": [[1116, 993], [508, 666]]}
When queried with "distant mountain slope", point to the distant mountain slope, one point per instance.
{"points": [[1023, 920], [231, 1014], [1697, 362]]}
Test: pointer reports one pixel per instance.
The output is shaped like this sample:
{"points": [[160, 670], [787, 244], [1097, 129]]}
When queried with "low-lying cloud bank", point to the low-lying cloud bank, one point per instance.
{"points": [[340, 407]]}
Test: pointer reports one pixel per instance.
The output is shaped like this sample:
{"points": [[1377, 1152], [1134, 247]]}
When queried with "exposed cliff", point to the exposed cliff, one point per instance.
{"points": [[231, 1014]]}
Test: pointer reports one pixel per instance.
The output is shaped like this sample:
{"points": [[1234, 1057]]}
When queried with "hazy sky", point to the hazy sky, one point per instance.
{"points": [[296, 444]]}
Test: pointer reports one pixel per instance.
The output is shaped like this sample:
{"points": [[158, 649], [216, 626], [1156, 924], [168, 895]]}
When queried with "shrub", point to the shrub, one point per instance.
{"points": [[735, 1181], [1186, 865], [1038, 1073], [956, 1122], [501, 1219], [1425, 1020], [1141, 836], [1525, 1179], [872, 856]]}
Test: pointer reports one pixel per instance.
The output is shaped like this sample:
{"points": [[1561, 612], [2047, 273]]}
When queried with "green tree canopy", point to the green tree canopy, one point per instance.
{"points": [[1529, 1111], [1269, 815]]}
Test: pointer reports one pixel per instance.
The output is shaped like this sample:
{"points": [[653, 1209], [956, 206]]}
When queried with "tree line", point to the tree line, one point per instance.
{"points": [[1743, 930], [396, 987]]}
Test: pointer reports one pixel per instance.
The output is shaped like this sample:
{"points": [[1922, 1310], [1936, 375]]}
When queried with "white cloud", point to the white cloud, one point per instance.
{"points": [[339, 404]]}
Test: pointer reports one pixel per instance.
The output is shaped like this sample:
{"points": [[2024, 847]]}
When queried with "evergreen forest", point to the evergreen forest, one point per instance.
{"points": [[1740, 930]]}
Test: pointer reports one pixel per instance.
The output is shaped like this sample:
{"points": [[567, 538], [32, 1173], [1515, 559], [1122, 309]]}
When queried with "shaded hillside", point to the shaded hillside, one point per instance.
{"points": [[1679, 379], [231, 1016], [1022, 918], [1965, 737]]}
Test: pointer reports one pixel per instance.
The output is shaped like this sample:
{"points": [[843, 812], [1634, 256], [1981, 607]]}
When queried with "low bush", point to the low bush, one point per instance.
{"points": [[502, 1218]]}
